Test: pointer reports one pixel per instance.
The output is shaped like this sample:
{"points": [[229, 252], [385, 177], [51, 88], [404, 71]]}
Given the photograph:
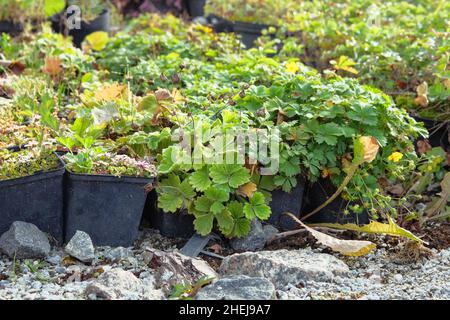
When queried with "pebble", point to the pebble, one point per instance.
{"points": [[398, 277]]}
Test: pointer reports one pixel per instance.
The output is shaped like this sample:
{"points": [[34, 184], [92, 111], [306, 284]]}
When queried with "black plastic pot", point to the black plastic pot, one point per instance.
{"points": [[10, 27], [196, 8], [249, 32], [101, 23], [439, 132], [108, 208], [287, 202], [36, 199], [319, 192], [173, 225]]}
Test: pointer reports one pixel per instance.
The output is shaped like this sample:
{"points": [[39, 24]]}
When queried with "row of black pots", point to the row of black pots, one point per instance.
{"points": [[60, 202], [304, 198], [58, 23], [249, 32]]}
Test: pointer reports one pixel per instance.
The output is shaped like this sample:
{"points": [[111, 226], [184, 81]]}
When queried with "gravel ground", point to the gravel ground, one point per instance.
{"points": [[60, 277], [379, 275]]}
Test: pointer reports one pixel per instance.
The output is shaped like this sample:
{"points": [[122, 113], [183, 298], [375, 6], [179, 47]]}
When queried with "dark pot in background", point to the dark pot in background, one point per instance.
{"points": [[108, 208], [319, 192], [196, 8], [249, 32], [287, 202], [173, 225], [10, 27], [101, 23], [36, 199], [439, 132]]}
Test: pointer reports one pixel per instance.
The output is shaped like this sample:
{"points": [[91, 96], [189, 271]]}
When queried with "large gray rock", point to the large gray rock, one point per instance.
{"points": [[256, 239], [283, 267], [24, 241], [118, 284], [238, 288], [173, 268], [81, 247]]}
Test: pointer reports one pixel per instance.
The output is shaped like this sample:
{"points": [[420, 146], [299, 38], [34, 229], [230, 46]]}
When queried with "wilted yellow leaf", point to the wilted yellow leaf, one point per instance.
{"points": [[422, 95], [354, 248], [421, 101], [390, 228], [365, 149], [344, 63], [110, 92], [447, 83], [52, 66], [422, 89], [177, 96], [97, 40], [247, 190], [163, 94]]}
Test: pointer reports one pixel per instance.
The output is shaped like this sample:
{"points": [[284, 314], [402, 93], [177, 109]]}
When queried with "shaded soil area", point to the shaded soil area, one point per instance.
{"points": [[437, 235]]}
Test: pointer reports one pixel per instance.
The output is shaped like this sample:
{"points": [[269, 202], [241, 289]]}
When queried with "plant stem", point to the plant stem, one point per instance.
{"points": [[347, 179]]}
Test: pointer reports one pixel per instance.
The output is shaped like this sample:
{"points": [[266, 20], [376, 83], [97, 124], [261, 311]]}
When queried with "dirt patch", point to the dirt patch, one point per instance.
{"points": [[437, 235]]}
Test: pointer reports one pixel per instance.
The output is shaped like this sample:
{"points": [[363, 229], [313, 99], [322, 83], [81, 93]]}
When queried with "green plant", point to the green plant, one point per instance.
{"points": [[256, 11], [22, 10], [394, 46], [89, 9], [188, 291], [17, 164]]}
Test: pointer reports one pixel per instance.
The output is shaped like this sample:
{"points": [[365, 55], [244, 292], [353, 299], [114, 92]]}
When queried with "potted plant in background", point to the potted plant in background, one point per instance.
{"points": [[81, 18], [14, 13], [107, 180], [31, 175], [196, 8], [134, 8], [246, 18]]}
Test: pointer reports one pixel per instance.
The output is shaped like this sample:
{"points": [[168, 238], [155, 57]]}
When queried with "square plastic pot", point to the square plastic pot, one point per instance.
{"points": [[319, 192], [172, 225], [196, 8], [108, 208], [287, 202], [36, 199], [249, 32], [100, 23], [10, 27]]}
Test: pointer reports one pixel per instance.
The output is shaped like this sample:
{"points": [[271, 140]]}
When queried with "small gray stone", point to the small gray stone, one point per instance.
{"points": [[60, 270], [238, 288], [24, 241], [54, 260], [283, 267], [398, 278], [81, 247], [256, 239], [119, 254]]}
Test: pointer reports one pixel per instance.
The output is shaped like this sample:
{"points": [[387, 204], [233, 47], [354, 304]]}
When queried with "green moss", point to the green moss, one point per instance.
{"points": [[26, 162]]}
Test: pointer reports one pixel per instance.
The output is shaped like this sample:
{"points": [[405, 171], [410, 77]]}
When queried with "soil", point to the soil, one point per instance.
{"points": [[437, 235]]}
